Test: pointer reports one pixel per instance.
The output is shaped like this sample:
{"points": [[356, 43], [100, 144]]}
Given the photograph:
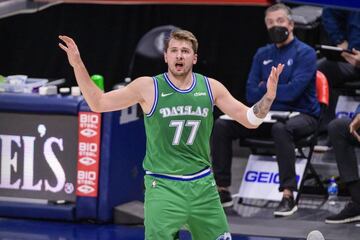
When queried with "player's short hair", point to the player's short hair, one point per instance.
{"points": [[181, 34]]}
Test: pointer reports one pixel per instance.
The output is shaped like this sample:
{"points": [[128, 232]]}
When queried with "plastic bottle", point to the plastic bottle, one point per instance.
{"points": [[333, 191], [2, 79], [98, 80]]}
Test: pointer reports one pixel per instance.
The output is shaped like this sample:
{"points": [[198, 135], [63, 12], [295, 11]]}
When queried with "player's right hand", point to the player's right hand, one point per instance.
{"points": [[71, 50]]}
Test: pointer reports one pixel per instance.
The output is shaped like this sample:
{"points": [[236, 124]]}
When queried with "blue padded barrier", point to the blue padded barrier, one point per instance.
{"points": [[86, 207], [40, 211], [121, 172], [34, 103], [120, 168]]}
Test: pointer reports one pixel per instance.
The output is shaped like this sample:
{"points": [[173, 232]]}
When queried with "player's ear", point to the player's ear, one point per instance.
{"points": [[195, 58], [165, 57]]}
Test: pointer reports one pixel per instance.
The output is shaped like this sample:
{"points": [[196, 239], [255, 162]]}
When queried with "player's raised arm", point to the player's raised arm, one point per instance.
{"points": [[249, 117], [97, 100]]}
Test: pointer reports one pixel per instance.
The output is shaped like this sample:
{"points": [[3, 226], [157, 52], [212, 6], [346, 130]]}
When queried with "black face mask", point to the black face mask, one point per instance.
{"points": [[278, 34]]}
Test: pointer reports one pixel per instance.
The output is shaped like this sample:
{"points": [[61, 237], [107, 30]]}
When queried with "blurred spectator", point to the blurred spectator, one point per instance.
{"points": [[296, 92], [343, 30], [344, 136], [354, 58]]}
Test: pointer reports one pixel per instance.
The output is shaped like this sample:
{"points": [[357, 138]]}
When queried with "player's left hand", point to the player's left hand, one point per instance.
{"points": [[272, 81]]}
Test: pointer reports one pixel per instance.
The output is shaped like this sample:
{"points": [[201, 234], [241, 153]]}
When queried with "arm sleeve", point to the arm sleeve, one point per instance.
{"points": [[254, 92], [304, 71], [334, 22]]}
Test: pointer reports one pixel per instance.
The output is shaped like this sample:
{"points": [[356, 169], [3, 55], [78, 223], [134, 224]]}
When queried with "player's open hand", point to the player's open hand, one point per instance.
{"points": [[272, 81], [71, 50], [354, 126]]}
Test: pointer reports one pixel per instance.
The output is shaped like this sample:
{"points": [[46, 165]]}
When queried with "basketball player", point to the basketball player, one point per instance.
{"points": [[178, 104]]}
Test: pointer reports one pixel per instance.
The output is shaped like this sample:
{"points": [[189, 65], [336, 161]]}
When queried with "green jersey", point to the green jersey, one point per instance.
{"points": [[178, 127]]}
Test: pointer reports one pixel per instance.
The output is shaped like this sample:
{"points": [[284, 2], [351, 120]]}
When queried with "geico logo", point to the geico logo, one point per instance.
{"points": [[262, 177], [343, 114], [10, 145]]}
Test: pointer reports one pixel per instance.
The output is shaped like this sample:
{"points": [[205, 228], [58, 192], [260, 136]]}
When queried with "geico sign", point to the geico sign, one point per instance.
{"points": [[264, 177], [343, 114], [9, 163]]}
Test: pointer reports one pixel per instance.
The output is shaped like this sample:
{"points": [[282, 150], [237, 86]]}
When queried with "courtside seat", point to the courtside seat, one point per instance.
{"points": [[256, 144]]}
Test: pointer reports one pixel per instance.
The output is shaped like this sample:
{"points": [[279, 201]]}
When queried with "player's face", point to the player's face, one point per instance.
{"points": [[180, 57], [278, 18]]}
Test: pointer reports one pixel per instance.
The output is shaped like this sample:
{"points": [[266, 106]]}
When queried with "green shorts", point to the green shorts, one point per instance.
{"points": [[173, 204]]}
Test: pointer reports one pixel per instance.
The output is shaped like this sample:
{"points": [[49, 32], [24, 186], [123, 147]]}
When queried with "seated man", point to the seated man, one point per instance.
{"points": [[296, 92], [343, 30], [344, 137]]}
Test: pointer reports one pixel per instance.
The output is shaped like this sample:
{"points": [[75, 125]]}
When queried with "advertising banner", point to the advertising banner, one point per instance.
{"points": [[88, 154], [346, 106], [261, 178], [38, 155]]}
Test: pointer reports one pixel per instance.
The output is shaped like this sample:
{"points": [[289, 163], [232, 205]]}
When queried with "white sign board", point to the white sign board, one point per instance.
{"points": [[128, 115], [261, 178], [346, 106]]}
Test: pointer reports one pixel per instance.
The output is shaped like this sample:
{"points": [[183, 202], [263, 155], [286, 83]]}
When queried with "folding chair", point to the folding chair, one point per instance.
{"points": [[322, 91]]}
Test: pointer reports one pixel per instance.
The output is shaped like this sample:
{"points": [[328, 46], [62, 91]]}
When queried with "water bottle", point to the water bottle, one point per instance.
{"points": [[98, 80], [333, 191]]}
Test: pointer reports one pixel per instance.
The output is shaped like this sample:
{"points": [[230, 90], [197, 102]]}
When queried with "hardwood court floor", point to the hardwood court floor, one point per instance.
{"points": [[20, 229]]}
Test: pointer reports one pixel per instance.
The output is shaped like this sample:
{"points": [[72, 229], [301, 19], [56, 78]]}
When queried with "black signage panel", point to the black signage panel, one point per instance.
{"points": [[38, 156]]}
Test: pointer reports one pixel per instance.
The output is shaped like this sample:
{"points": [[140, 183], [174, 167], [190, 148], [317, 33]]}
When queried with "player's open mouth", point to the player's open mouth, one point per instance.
{"points": [[179, 65]]}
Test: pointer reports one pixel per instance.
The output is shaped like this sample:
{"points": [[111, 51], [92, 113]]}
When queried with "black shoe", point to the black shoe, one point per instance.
{"points": [[286, 207], [225, 198], [351, 213]]}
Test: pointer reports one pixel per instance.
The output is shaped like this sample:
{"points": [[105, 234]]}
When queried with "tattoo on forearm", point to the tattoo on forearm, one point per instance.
{"points": [[262, 107]]}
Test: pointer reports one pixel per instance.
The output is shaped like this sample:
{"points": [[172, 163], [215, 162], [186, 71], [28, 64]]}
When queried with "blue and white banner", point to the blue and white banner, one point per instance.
{"points": [[261, 178], [346, 106]]}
